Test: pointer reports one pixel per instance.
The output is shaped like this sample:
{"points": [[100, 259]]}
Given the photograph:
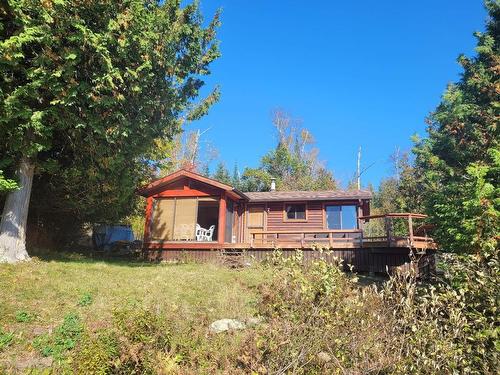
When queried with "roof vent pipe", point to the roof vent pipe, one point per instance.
{"points": [[273, 184]]}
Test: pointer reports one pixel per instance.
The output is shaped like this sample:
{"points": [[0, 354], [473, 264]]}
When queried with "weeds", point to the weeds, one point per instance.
{"points": [[316, 320], [24, 316], [5, 339], [85, 300], [62, 340]]}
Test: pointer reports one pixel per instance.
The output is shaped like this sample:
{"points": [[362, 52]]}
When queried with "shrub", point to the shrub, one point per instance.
{"points": [[96, 353], [318, 321], [450, 327], [137, 339]]}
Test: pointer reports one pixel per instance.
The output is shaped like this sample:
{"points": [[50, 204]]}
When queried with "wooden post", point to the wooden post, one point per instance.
{"points": [[302, 240], [222, 218], [330, 239], [410, 228], [147, 222], [388, 230]]}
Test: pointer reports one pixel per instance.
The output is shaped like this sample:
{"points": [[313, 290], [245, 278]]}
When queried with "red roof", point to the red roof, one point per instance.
{"points": [[157, 185]]}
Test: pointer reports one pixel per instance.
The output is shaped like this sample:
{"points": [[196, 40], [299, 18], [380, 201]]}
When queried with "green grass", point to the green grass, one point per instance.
{"points": [[38, 299]]}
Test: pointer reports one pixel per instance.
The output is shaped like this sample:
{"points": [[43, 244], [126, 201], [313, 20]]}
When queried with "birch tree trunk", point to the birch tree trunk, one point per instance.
{"points": [[15, 217]]}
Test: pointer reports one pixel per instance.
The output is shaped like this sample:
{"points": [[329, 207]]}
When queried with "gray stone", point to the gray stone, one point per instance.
{"points": [[225, 325]]}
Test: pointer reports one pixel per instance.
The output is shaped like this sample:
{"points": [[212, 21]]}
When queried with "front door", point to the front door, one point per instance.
{"points": [[255, 221]]}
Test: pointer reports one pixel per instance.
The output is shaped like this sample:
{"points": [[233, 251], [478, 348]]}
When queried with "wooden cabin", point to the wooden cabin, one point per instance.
{"points": [[191, 216]]}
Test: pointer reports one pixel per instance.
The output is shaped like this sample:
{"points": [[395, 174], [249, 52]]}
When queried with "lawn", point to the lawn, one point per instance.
{"points": [[36, 296], [72, 314]]}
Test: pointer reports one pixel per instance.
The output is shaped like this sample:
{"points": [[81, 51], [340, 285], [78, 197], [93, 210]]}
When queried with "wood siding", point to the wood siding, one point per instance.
{"points": [[276, 222]]}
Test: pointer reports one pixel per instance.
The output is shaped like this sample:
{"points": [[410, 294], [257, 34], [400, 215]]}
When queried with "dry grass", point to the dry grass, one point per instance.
{"points": [[41, 293]]}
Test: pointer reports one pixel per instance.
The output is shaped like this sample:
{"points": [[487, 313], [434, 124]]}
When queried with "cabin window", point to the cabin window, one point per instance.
{"points": [[341, 217], [295, 211]]}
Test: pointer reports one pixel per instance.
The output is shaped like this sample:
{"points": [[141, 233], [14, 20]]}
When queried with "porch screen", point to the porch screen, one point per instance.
{"points": [[162, 224], [185, 219]]}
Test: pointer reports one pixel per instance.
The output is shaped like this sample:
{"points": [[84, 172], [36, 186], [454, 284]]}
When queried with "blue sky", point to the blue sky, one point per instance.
{"points": [[357, 73]]}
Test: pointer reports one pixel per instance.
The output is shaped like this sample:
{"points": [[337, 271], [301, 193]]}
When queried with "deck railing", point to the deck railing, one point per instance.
{"points": [[346, 237], [306, 237]]}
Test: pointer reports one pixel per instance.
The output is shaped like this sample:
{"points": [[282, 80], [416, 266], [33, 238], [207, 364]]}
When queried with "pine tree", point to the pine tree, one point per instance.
{"points": [[459, 161], [222, 174]]}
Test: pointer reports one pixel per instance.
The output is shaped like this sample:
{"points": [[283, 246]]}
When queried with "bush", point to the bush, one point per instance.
{"points": [[96, 353], [450, 327], [85, 300], [319, 320], [137, 338]]}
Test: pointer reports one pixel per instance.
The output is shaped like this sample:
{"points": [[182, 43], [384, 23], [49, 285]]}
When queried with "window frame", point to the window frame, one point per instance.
{"points": [[285, 216], [325, 216]]}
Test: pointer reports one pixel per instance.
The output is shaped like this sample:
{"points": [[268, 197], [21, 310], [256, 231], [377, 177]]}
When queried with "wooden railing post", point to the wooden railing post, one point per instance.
{"points": [[410, 228], [252, 240], [302, 240], [388, 230], [330, 239]]}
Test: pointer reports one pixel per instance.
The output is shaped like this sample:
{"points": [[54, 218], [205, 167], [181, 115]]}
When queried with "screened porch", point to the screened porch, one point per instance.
{"points": [[191, 219]]}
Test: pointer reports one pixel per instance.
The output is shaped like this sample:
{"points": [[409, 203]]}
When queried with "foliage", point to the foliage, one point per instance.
{"points": [[5, 339], [460, 159], [222, 174], [96, 353], [87, 89], [185, 298], [85, 300], [318, 321], [188, 150], [63, 339], [293, 163], [6, 184], [23, 316], [402, 191], [450, 327]]}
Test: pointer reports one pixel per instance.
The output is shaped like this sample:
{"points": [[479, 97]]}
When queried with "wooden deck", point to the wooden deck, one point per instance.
{"points": [[364, 253]]}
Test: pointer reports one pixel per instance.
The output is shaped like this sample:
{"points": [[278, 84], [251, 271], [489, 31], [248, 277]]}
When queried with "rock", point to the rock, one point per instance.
{"points": [[225, 325], [323, 357]]}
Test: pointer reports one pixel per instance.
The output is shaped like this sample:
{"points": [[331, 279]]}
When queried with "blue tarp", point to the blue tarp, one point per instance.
{"points": [[104, 235]]}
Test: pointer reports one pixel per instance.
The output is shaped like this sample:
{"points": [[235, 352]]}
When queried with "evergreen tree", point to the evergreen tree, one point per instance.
{"points": [[86, 87], [236, 178], [222, 174], [459, 161]]}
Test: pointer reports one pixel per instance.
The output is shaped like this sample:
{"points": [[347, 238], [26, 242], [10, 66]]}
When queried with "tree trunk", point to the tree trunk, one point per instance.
{"points": [[15, 217]]}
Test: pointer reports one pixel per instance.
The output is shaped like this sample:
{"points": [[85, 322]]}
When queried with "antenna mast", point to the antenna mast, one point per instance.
{"points": [[358, 174]]}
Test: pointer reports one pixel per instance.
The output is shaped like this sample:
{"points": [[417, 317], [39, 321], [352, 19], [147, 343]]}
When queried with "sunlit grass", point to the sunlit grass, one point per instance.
{"points": [[48, 290]]}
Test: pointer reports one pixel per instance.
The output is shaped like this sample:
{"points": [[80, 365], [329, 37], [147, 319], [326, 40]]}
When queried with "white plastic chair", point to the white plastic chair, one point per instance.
{"points": [[200, 233], [209, 233]]}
